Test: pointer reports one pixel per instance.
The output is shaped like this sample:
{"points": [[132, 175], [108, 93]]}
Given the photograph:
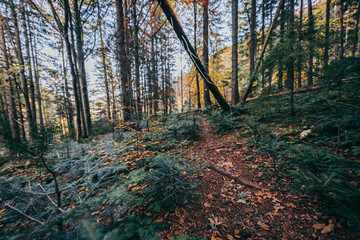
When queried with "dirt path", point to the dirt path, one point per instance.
{"points": [[228, 210]]}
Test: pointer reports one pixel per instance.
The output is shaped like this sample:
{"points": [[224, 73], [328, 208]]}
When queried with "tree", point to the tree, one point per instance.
{"points": [[327, 32], [311, 31], [103, 62], [24, 84], [299, 62], [120, 44], [8, 86], [207, 100], [81, 68], [170, 15], [234, 71], [195, 45]]}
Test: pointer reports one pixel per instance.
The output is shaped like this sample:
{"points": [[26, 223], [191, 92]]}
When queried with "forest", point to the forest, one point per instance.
{"points": [[179, 119]]}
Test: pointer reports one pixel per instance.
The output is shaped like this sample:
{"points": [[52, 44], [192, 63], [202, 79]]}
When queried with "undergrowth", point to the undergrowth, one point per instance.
{"points": [[118, 183], [317, 149]]}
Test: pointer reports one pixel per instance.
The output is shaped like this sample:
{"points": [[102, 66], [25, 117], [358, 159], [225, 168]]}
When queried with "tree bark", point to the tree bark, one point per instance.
{"points": [[72, 66], [327, 32], [81, 69], [234, 51], [311, 47], [342, 47], [164, 4], [290, 65], [137, 60], [120, 43], [195, 46], [299, 63], [282, 30], [207, 100], [356, 33]]}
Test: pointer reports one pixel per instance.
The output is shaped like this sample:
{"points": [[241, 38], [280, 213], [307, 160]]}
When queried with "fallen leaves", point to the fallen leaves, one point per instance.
{"points": [[324, 228], [263, 226]]}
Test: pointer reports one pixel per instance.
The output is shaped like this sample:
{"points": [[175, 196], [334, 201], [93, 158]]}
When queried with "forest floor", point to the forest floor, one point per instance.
{"points": [[226, 209]]}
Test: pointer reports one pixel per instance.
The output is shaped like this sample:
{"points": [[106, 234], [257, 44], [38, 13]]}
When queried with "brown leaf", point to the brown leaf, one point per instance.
{"points": [[329, 228], [264, 226], [318, 226], [229, 237]]}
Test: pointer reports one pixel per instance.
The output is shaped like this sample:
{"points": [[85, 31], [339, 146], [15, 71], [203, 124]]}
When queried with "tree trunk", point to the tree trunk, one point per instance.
{"points": [[234, 51], [137, 60], [299, 63], [342, 48], [33, 43], [23, 81], [170, 15], [81, 69], [252, 36], [311, 47], [72, 66], [267, 39], [103, 61], [195, 46], [181, 83], [68, 104], [8, 86], [282, 30], [290, 65], [120, 44], [28, 61], [356, 33], [327, 32], [207, 100]]}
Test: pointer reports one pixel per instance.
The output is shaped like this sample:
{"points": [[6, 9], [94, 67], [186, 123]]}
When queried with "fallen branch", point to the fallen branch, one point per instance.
{"points": [[24, 214], [234, 176]]}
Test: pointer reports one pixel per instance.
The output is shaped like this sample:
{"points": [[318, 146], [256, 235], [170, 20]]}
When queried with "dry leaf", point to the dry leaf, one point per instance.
{"points": [[159, 220], [207, 204], [318, 226], [329, 228], [263, 226], [229, 237]]}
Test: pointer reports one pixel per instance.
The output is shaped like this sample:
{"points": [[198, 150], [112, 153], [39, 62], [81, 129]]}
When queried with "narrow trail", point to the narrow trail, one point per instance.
{"points": [[228, 210]]}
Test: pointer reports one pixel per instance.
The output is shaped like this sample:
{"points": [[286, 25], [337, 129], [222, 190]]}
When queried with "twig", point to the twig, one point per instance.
{"points": [[24, 214], [232, 176], [47, 195]]}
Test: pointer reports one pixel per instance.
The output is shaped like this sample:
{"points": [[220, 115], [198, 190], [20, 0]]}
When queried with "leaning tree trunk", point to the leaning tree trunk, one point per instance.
{"points": [[267, 39], [170, 15]]}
